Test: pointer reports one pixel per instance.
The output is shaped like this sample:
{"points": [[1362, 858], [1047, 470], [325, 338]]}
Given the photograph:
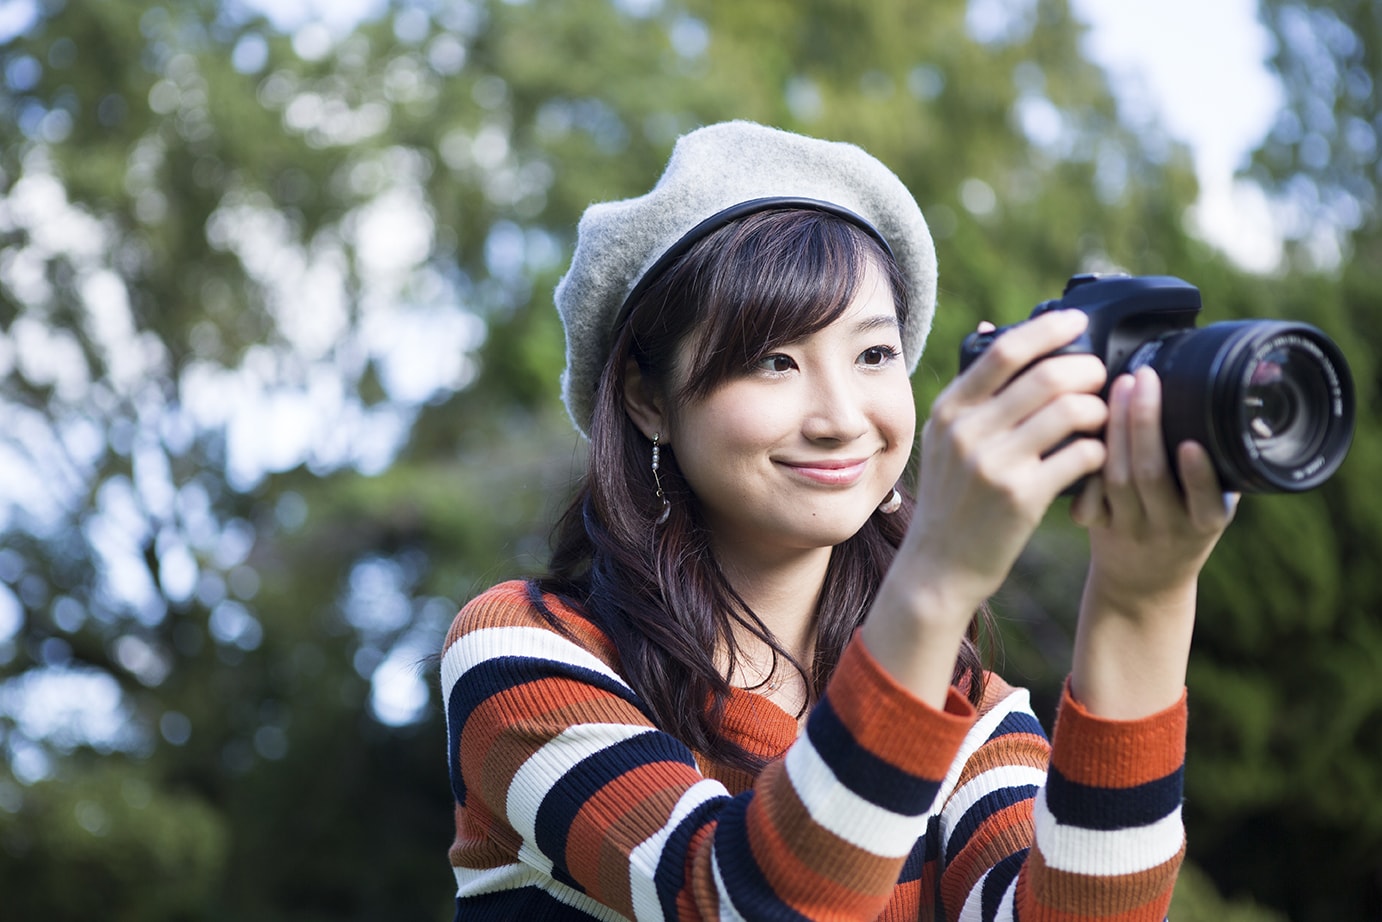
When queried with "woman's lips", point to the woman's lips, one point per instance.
{"points": [[835, 472]]}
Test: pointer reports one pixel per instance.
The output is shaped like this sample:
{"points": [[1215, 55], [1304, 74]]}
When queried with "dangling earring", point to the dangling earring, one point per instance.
{"points": [[657, 462], [892, 503]]}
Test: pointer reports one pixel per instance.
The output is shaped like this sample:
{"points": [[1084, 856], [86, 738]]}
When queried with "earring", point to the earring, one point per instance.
{"points": [[892, 503], [657, 462]]}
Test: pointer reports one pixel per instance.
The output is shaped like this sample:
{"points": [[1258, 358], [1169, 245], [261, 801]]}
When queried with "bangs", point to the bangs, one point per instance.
{"points": [[770, 279]]}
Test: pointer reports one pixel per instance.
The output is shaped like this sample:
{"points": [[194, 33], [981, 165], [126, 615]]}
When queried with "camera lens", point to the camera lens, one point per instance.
{"points": [[1282, 385], [1271, 401]]}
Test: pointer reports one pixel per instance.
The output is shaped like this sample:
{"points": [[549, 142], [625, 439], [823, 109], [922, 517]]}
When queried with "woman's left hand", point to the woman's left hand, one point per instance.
{"points": [[1149, 539]]}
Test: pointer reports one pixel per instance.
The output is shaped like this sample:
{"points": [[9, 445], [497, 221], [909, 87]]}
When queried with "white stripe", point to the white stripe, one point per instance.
{"points": [[476, 882], [874, 829], [1007, 907], [1106, 853], [553, 760], [981, 785], [486, 644], [979, 734], [644, 860], [973, 910]]}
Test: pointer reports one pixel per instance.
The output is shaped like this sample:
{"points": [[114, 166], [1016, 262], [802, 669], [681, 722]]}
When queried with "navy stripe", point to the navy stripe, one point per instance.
{"points": [[588, 777], [981, 811], [479, 683], [916, 861], [1019, 722], [522, 903], [671, 866], [996, 884], [1087, 807], [861, 771], [748, 889]]}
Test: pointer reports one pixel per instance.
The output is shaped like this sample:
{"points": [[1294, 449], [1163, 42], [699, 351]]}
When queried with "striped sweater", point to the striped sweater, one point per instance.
{"points": [[571, 804]]}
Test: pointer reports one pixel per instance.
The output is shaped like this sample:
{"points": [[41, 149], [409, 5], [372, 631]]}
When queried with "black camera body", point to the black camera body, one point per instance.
{"points": [[1272, 401]]}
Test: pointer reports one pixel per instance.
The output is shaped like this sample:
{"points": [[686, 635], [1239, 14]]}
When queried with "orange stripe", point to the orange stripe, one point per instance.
{"points": [[893, 724], [699, 898], [1002, 834], [1117, 753], [504, 731], [793, 865], [615, 820], [1074, 894], [1081, 898], [792, 839], [1012, 749], [508, 605], [905, 905], [480, 842]]}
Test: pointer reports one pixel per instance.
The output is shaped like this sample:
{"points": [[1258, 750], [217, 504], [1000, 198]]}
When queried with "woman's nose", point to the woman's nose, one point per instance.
{"points": [[836, 411]]}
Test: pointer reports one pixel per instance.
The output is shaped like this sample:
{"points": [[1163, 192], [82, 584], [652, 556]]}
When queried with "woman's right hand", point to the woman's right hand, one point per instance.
{"points": [[988, 474]]}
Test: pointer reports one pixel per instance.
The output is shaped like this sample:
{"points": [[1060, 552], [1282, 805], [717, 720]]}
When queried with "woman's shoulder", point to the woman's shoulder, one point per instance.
{"points": [[517, 607]]}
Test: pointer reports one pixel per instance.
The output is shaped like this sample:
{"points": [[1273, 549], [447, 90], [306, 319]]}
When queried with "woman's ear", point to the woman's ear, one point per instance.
{"points": [[643, 403]]}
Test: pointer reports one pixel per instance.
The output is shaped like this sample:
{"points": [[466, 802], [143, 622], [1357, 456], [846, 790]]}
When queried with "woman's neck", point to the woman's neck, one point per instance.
{"points": [[783, 593]]}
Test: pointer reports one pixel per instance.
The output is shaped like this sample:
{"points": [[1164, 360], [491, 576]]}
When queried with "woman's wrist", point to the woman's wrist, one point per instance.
{"points": [[1131, 649], [914, 632]]}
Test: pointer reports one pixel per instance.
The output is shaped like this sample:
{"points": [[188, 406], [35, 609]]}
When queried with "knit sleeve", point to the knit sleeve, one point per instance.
{"points": [[571, 804], [1089, 828]]}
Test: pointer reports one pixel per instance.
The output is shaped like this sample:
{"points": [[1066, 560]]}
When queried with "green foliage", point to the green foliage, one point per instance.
{"points": [[207, 225], [106, 843], [1196, 900]]}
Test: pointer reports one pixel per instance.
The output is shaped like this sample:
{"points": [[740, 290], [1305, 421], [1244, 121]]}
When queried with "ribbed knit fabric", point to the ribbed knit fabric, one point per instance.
{"points": [[572, 805]]}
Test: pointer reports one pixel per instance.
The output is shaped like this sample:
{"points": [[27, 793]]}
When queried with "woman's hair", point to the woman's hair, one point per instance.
{"points": [[751, 287]]}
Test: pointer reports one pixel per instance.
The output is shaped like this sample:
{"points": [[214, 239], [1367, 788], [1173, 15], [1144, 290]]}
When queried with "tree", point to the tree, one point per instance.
{"points": [[278, 374]]}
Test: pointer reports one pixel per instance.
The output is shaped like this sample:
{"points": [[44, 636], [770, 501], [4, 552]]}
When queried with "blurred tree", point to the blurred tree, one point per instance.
{"points": [[278, 372], [1286, 786]]}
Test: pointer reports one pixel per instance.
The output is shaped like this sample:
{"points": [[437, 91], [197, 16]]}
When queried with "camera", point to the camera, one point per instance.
{"points": [[1271, 401]]}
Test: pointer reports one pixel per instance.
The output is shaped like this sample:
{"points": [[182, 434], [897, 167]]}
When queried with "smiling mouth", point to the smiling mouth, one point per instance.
{"points": [[829, 473]]}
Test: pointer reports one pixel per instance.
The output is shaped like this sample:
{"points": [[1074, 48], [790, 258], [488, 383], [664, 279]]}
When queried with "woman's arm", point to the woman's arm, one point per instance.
{"points": [[1148, 541], [566, 792], [995, 452], [1078, 831]]}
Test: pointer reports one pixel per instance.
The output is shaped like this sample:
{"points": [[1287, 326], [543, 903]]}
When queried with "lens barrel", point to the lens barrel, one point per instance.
{"points": [[1271, 401]]}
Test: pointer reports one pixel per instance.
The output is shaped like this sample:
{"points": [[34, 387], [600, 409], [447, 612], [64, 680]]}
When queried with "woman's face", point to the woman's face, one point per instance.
{"points": [[797, 453]]}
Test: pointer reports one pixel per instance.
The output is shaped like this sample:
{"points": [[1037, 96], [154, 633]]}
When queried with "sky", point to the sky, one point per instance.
{"points": [[1201, 66]]}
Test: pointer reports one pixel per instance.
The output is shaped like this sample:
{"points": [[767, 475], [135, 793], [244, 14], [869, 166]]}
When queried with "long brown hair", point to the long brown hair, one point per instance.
{"points": [[765, 280]]}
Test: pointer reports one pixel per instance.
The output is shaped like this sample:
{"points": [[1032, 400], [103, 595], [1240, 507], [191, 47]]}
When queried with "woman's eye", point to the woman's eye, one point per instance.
{"points": [[878, 355], [777, 363]]}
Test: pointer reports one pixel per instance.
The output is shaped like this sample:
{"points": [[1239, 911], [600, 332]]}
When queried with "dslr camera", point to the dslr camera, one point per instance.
{"points": [[1272, 401]]}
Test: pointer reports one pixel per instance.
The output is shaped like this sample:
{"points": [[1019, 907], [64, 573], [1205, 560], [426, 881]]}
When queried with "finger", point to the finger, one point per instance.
{"points": [[1074, 460], [1119, 493], [1089, 510], [1209, 507], [1012, 351], [1050, 381], [1151, 471], [986, 327], [1066, 416]]}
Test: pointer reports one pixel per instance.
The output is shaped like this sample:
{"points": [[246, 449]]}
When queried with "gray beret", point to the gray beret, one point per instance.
{"points": [[729, 169]]}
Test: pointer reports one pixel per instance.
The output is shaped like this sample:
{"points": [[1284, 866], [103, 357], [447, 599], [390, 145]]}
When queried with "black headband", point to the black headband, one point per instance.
{"points": [[728, 216]]}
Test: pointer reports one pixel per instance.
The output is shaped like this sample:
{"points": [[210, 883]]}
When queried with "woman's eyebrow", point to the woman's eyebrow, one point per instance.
{"points": [[876, 322]]}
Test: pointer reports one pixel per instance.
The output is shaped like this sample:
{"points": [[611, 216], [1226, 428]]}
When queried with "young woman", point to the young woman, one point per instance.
{"points": [[749, 687]]}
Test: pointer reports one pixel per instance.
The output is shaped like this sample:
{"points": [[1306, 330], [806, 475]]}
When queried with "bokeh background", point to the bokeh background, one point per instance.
{"points": [[278, 370]]}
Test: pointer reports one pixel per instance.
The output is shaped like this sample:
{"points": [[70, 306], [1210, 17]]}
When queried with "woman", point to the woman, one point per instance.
{"points": [[749, 687]]}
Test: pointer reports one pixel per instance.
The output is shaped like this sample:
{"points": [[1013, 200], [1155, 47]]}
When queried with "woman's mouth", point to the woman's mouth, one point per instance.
{"points": [[835, 472]]}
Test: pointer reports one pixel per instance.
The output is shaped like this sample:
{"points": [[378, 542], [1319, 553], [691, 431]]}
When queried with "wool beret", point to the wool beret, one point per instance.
{"points": [[715, 174]]}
